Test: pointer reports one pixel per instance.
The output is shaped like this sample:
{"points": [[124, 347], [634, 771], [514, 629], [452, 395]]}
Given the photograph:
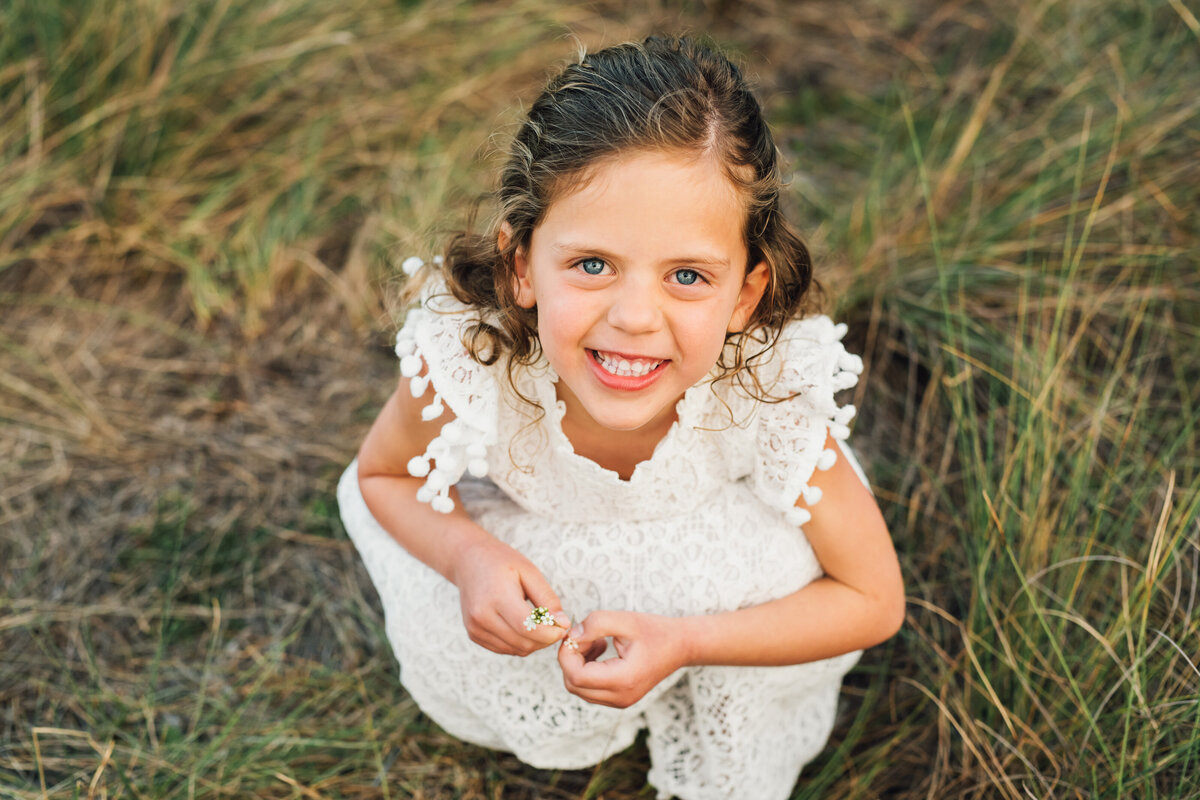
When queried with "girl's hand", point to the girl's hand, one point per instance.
{"points": [[649, 648], [496, 584]]}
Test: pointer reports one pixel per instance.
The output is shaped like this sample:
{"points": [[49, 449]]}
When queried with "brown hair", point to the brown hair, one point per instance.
{"points": [[661, 94]]}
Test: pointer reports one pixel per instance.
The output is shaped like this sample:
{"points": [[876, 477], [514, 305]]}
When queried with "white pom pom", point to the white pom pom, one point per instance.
{"points": [[812, 495], [798, 516], [453, 432], [478, 467], [826, 460], [405, 347], [442, 504], [839, 330], [425, 494], [844, 380], [418, 385], [437, 480], [850, 363], [410, 366], [432, 411], [449, 463], [477, 450], [839, 431], [844, 414], [411, 265], [418, 466]]}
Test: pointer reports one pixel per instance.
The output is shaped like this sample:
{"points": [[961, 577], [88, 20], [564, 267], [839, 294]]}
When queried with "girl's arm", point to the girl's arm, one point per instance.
{"points": [[858, 603], [495, 582]]}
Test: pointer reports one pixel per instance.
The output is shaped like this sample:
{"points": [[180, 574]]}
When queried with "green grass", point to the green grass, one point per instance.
{"points": [[198, 208]]}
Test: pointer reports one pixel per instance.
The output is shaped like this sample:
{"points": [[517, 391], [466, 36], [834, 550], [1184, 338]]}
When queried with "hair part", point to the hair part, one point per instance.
{"points": [[663, 94]]}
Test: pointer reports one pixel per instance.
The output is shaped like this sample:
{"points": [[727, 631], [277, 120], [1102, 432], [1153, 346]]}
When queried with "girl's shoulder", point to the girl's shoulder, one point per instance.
{"points": [[431, 346], [441, 372], [806, 358], [802, 367], [793, 393]]}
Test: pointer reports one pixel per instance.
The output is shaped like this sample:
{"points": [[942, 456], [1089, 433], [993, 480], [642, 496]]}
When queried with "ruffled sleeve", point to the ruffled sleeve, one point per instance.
{"points": [[810, 366], [431, 341]]}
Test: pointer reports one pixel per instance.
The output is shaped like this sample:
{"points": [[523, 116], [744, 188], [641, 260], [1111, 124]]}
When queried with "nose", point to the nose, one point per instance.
{"points": [[634, 306]]}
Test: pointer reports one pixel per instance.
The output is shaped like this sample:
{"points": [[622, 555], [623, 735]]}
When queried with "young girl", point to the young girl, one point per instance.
{"points": [[625, 357]]}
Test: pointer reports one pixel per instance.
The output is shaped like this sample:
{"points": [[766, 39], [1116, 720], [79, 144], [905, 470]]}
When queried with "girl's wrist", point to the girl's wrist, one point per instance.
{"points": [[689, 635], [462, 540]]}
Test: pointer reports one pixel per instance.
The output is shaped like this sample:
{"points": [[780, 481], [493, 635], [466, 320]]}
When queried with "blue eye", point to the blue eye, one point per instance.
{"points": [[687, 276], [592, 266]]}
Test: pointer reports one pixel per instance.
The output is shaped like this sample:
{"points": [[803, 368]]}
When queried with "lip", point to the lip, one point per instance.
{"points": [[624, 383]]}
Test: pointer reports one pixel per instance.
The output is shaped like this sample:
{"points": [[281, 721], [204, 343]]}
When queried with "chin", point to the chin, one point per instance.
{"points": [[627, 426], [630, 423]]}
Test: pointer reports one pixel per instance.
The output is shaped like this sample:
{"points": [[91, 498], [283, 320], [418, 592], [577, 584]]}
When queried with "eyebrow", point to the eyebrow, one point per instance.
{"points": [[695, 258]]}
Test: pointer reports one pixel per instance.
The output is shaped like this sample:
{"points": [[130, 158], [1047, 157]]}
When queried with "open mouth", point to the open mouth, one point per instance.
{"points": [[624, 366]]}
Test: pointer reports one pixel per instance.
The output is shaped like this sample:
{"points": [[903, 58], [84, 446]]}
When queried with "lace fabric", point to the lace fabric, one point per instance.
{"points": [[707, 524]]}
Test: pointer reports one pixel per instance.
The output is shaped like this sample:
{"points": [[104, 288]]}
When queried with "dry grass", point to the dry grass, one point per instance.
{"points": [[197, 205]]}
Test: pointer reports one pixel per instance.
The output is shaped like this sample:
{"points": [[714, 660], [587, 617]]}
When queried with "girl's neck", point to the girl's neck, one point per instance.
{"points": [[619, 451]]}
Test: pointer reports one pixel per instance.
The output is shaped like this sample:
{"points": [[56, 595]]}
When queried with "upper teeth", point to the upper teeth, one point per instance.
{"points": [[620, 366]]}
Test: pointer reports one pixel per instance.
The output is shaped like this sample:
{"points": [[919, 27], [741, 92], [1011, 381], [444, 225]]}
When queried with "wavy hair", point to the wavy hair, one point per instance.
{"points": [[670, 94]]}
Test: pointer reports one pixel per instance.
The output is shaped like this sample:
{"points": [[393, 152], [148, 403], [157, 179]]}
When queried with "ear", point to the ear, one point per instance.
{"points": [[522, 285], [752, 291]]}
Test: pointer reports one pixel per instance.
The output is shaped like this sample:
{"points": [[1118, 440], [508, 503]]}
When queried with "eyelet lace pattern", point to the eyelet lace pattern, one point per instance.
{"points": [[707, 524]]}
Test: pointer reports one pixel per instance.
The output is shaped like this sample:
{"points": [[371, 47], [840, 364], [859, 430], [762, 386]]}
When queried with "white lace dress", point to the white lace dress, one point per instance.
{"points": [[708, 524]]}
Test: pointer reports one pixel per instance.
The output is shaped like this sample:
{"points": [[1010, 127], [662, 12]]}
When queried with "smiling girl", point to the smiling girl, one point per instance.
{"points": [[615, 432]]}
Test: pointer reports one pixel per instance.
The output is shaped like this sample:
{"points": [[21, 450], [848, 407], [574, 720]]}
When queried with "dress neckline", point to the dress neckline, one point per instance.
{"points": [[545, 380]]}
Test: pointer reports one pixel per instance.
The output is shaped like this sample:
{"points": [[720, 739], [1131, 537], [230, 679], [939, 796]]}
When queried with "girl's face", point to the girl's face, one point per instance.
{"points": [[637, 276]]}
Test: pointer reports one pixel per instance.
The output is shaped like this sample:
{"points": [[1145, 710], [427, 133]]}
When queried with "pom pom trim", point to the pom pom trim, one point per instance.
{"points": [[461, 447]]}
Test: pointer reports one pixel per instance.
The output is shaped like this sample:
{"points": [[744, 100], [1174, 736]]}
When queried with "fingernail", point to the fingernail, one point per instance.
{"points": [[562, 619], [576, 632]]}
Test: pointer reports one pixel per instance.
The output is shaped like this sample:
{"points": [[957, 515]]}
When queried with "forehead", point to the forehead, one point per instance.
{"points": [[650, 200]]}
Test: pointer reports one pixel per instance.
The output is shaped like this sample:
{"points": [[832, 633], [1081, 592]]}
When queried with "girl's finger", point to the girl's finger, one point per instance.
{"points": [[600, 695], [497, 637], [579, 650], [544, 635], [601, 624], [504, 638], [580, 673], [594, 650], [492, 643], [586, 645], [537, 589], [568, 660], [601, 698], [591, 635]]}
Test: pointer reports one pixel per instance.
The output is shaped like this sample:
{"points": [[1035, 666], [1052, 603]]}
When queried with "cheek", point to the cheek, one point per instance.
{"points": [[559, 329], [704, 336]]}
